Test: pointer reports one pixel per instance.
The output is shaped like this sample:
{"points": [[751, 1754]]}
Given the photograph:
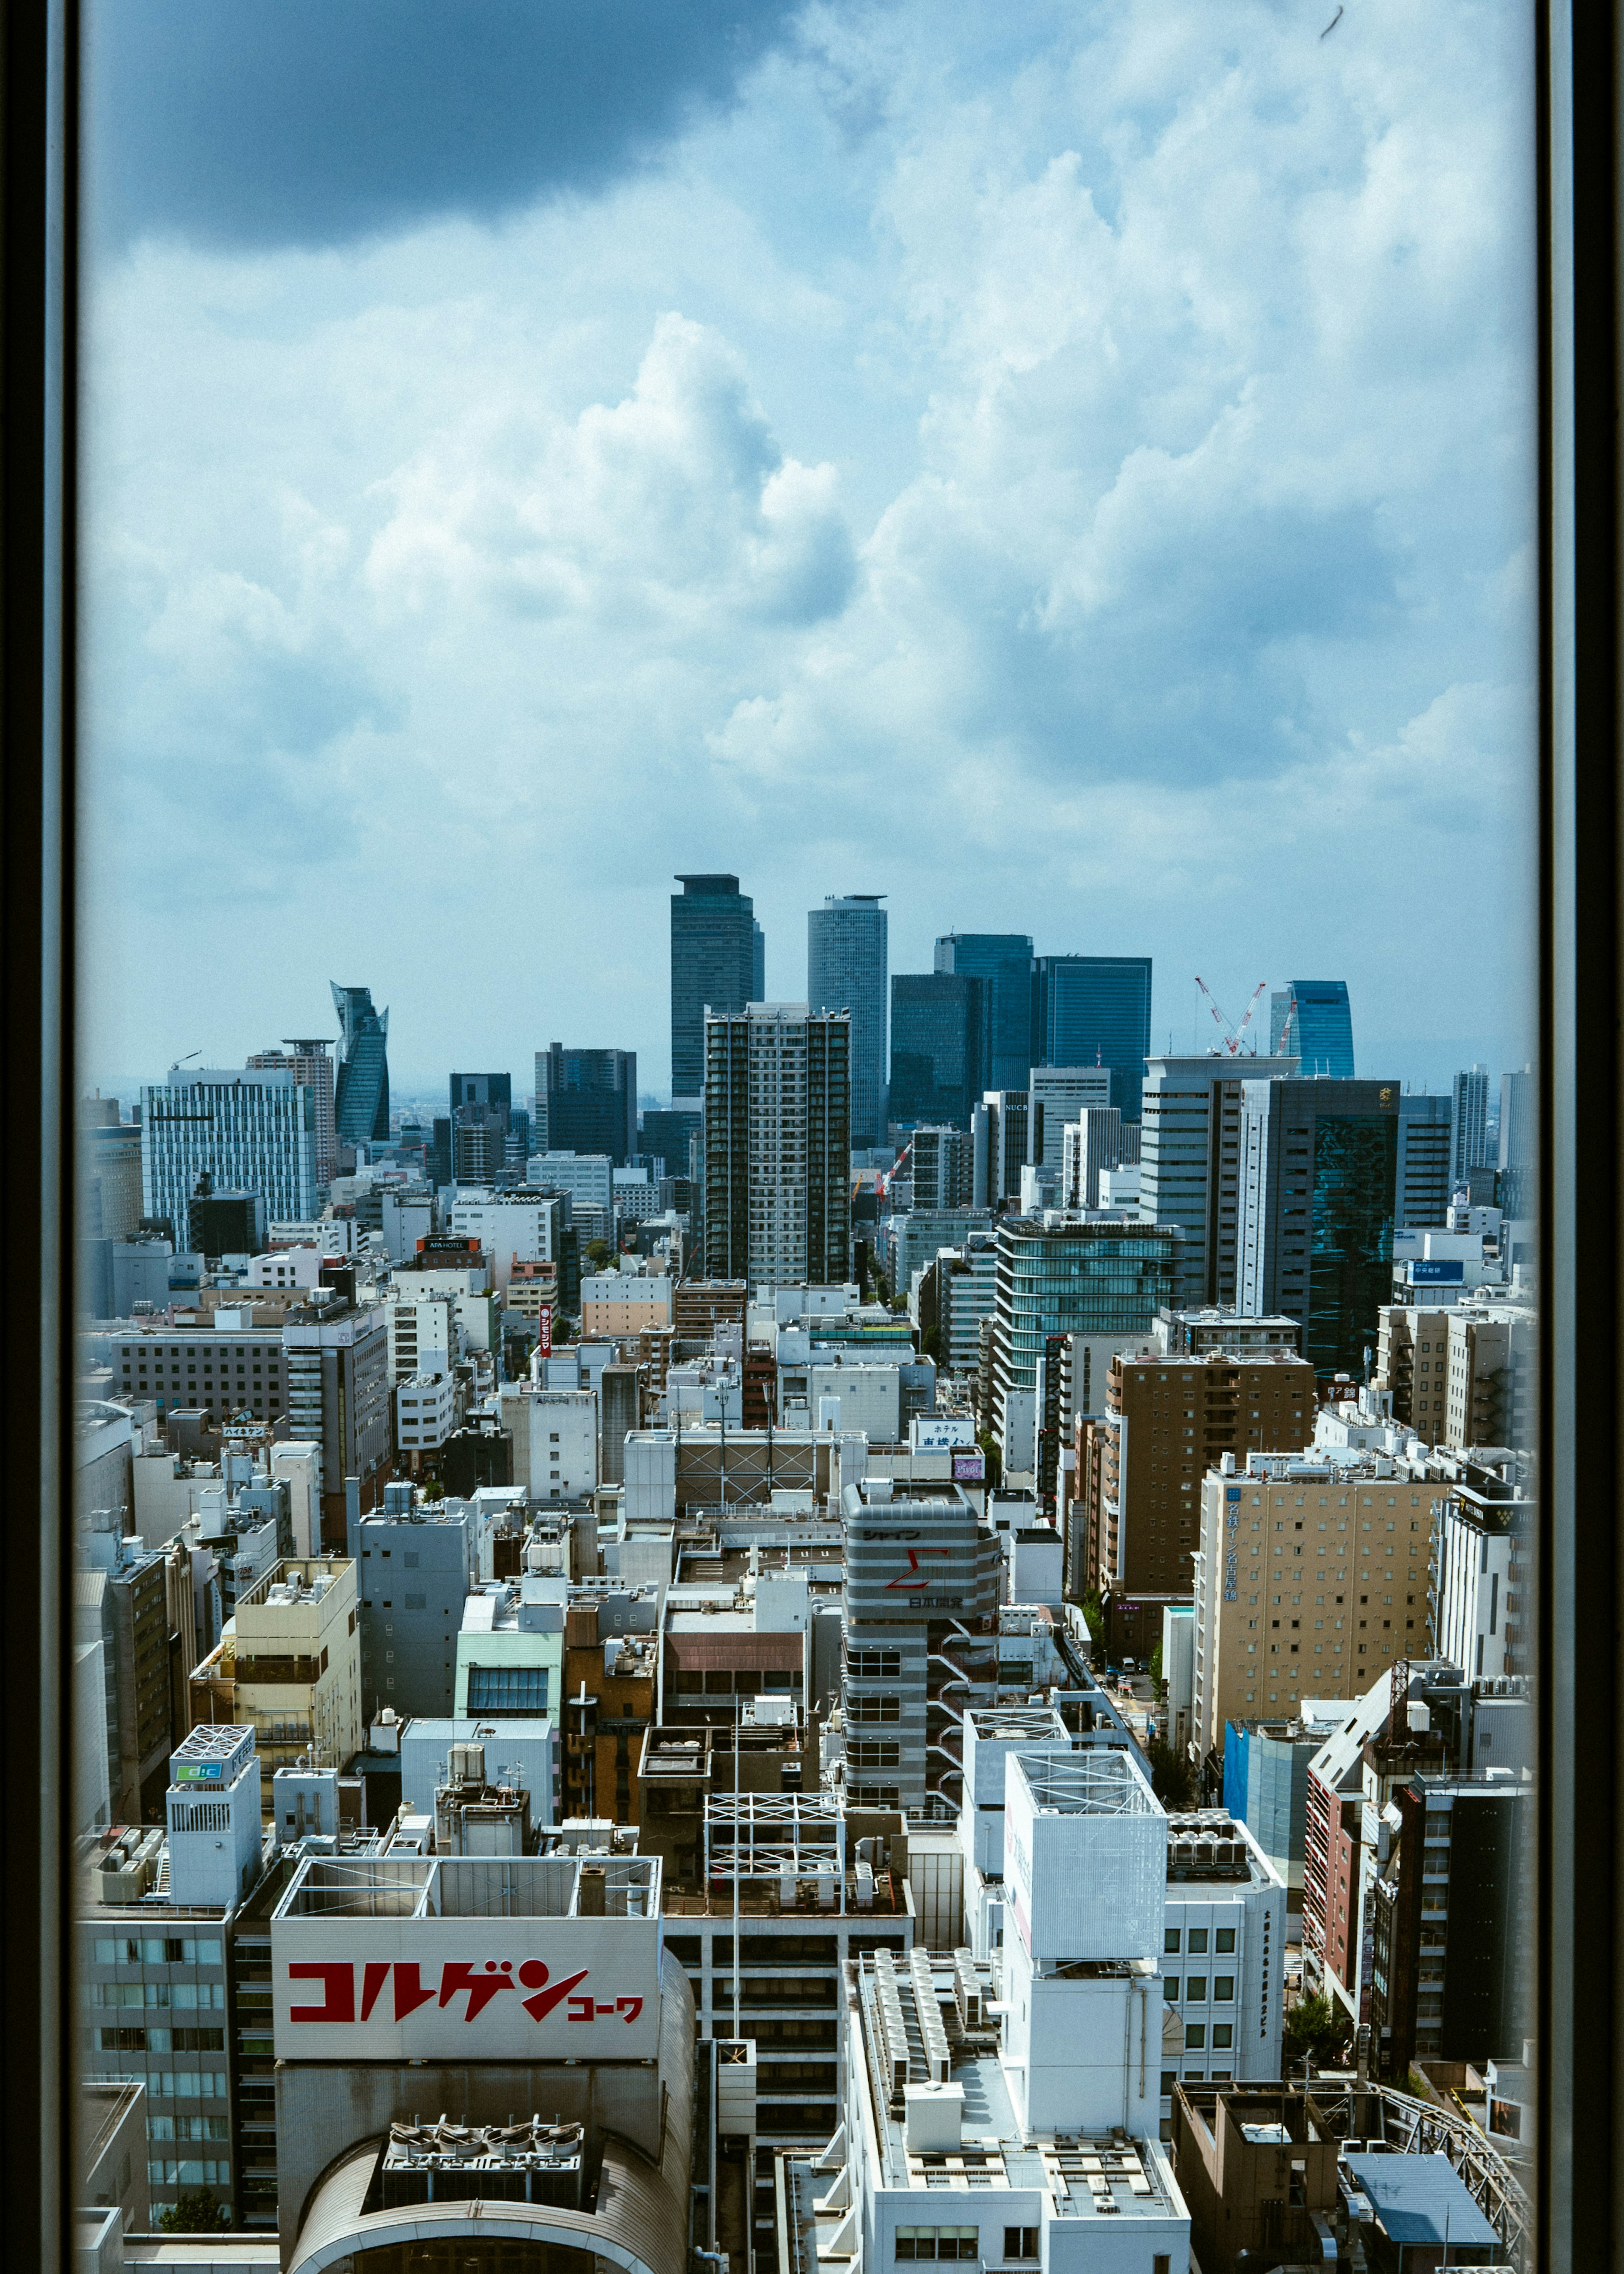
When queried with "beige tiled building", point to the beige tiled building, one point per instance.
{"points": [[290, 1663], [1311, 1581]]}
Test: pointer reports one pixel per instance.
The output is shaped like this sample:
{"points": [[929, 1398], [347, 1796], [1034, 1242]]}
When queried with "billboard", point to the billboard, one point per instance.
{"points": [[465, 1989], [1437, 1271], [942, 1432], [970, 1468]]}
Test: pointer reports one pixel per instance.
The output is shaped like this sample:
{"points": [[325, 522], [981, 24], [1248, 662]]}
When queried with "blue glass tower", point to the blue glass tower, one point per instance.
{"points": [[1319, 1028], [1001, 960], [1095, 1010], [361, 1106]]}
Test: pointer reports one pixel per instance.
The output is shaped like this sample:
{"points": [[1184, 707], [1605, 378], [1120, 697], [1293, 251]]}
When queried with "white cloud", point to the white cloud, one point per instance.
{"points": [[1078, 481]]}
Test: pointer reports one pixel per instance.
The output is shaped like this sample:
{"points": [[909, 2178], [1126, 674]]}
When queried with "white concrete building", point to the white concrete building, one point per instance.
{"points": [[425, 1412], [423, 1334], [287, 1267], [554, 1437]]}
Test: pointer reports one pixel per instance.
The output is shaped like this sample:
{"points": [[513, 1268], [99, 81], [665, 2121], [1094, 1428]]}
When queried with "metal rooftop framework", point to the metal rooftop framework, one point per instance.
{"points": [[1097, 1781], [471, 1887], [774, 1835]]}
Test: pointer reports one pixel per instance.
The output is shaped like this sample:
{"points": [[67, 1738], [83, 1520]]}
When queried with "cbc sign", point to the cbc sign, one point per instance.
{"points": [[468, 1989]]}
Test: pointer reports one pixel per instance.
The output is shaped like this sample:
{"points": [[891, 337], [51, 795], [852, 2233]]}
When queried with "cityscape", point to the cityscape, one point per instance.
{"points": [[794, 1489], [956, 1612]]}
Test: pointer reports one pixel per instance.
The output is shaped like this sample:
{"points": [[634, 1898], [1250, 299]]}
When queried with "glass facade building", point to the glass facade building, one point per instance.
{"points": [[253, 1132], [361, 1100], [1075, 1279], [847, 967], [586, 1101], [937, 1046], [1319, 1189], [1470, 1146], [1095, 1010], [1317, 1027], [1002, 961], [717, 960]]}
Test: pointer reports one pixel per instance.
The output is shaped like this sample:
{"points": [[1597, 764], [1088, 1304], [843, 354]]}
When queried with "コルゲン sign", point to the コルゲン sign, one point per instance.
{"points": [[465, 1989]]}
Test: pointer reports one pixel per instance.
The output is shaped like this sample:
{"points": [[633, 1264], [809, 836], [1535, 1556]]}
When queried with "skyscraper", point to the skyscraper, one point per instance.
{"points": [[778, 1146], [1469, 1146], [1056, 1095], [1095, 1010], [937, 1046], [253, 1132], [1518, 1165], [586, 1101], [758, 964], [307, 1059], [1317, 1027], [481, 1110], [1002, 961], [847, 967], [1190, 1162], [361, 1104], [717, 956], [1425, 1126], [1319, 1178]]}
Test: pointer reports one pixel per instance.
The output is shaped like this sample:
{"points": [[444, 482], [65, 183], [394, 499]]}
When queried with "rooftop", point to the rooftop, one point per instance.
{"points": [[1420, 2200], [404, 1887], [1096, 1781]]}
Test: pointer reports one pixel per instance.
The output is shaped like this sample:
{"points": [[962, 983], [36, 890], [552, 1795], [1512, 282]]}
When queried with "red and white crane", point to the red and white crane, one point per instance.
{"points": [[1232, 1035]]}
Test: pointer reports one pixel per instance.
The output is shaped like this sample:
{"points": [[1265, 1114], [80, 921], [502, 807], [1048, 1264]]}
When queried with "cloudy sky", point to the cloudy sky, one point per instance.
{"points": [[1068, 468]]}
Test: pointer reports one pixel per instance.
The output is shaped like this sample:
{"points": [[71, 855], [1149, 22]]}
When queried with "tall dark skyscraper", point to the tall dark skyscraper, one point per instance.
{"points": [[1002, 961], [361, 1092], [586, 1101], [847, 957], [481, 1110], [1095, 1010], [717, 956], [1319, 1189], [938, 1046], [1316, 1026]]}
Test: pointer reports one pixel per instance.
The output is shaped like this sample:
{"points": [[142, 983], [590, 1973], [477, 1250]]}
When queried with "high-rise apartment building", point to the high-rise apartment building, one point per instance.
{"points": [[1095, 1010], [361, 1097], [1460, 1375], [714, 960], [307, 1057], [1314, 1023], [253, 1132], [1469, 1116], [778, 1146], [337, 1360], [847, 970], [1003, 962], [1055, 1094], [1190, 1162], [586, 1101], [938, 1047], [1426, 1142], [940, 1164], [1319, 1173]]}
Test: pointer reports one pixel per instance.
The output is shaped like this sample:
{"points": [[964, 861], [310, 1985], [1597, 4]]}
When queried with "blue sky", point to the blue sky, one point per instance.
{"points": [[1069, 468]]}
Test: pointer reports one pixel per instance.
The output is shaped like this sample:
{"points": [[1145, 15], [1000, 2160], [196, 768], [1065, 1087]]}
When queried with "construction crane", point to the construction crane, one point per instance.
{"points": [[884, 1181], [1232, 1034]]}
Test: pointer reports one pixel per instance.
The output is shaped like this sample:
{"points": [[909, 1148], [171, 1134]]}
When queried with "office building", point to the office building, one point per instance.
{"points": [[1452, 1958], [601, 2077], [555, 1440], [1140, 1463], [289, 1665], [1190, 1162], [522, 1226], [1055, 1278], [1319, 1175], [586, 1101], [308, 1059], [425, 1415], [110, 1173], [623, 1302], [1315, 1025], [1095, 1010], [1223, 1949], [848, 969], [938, 1047], [998, 1135], [490, 1093], [223, 1223], [714, 954], [121, 1601], [1517, 1189], [1055, 1094], [253, 1132], [1090, 1144], [587, 1178], [967, 1290], [361, 1083], [336, 1356], [228, 1363], [1424, 1179], [1460, 1375], [941, 1165], [422, 1329], [901, 1598], [778, 1146], [1482, 1570], [1470, 1124], [415, 1562], [1266, 1781], [671, 1135], [510, 1652], [1033, 2106], [1003, 963], [1311, 1581]]}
